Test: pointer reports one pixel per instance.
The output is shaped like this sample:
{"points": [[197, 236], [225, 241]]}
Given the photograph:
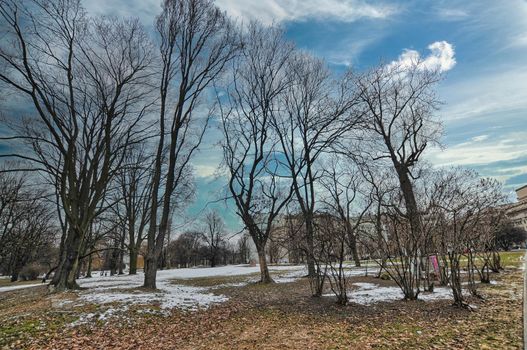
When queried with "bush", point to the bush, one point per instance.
{"points": [[31, 272]]}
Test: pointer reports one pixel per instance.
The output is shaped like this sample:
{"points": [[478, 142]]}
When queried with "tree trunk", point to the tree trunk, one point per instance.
{"points": [[455, 281], [311, 270], [496, 262], [88, 270], [121, 256], [14, 276], [65, 276], [133, 251], [150, 272], [354, 252], [409, 200], [265, 277], [213, 259], [383, 266], [80, 266]]}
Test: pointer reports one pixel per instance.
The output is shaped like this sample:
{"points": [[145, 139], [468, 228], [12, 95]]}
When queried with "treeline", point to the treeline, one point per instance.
{"points": [[119, 114]]}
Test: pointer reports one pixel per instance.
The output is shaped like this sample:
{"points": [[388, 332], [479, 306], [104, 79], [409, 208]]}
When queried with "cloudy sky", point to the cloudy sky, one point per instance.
{"points": [[481, 45]]}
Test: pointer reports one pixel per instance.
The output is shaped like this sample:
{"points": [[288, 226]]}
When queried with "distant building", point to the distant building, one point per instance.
{"points": [[517, 212]]}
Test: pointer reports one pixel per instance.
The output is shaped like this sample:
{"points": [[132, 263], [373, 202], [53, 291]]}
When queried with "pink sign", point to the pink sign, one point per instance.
{"points": [[435, 264]]}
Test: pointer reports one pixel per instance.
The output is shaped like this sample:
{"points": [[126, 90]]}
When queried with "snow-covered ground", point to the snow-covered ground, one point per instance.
{"points": [[370, 293], [19, 286], [108, 289], [123, 290]]}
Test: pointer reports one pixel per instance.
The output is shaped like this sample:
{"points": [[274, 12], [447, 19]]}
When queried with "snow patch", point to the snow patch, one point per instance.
{"points": [[123, 289], [370, 293], [20, 286]]}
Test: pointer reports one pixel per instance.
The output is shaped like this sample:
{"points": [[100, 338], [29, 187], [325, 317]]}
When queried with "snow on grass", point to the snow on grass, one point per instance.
{"points": [[123, 289], [101, 317], [290, 276], [370, 293], [361, 271], [19, 286]]}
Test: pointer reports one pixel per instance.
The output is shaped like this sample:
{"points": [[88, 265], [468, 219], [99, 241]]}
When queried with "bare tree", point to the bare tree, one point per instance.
{"points": [[464, 204], [331, 251], [86, 81], [214, 236], [342, 184], [315, 115], [398, 102], [249, 145], [398, 249], [26, 226], [196, 41], [244, 251], [134, 191]]}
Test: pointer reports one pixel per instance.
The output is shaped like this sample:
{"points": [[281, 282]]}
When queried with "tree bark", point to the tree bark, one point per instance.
{"points": [[354, 252], [150, 273], [121, 256], [65, 275], [88, 270], [311, 271], [133, 251], [265, 277]]}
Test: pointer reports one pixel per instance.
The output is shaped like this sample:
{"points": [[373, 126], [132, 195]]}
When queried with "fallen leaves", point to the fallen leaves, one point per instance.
{"points": [[283, 316]]}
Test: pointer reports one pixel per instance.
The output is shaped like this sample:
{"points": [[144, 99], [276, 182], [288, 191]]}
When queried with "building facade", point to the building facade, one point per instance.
{"points": [[517, 212]]}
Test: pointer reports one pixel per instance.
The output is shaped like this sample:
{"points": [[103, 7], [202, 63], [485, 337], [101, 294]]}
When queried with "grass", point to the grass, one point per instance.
{"points": [[512, 258], [278, 316]]}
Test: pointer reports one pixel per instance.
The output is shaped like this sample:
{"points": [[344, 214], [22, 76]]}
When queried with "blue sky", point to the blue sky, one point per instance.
{"points": [[484, 91]]}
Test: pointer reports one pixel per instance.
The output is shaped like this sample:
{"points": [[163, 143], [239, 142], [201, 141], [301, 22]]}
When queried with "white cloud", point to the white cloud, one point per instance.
{"points": [[269, 11], [205, 170], [441, 57]]}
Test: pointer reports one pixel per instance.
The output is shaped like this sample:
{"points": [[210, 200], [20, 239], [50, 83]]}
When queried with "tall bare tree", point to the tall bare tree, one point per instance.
{"points": [[249, 145], [399, 103], [86, 81], [134, 191], [196, 41], [316, 113]]}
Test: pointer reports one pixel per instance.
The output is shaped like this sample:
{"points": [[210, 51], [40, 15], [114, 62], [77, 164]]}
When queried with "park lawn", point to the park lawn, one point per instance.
{"points": [[279, 316], [512, 258]]}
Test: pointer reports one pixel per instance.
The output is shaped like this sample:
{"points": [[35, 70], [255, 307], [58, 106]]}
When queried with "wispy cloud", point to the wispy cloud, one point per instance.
{"points": [[348, 51], [145, 10], [476, 151], [480, 138], [501, 24], [501, 156], [452, 14], [492, 92], [269, 11]]}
